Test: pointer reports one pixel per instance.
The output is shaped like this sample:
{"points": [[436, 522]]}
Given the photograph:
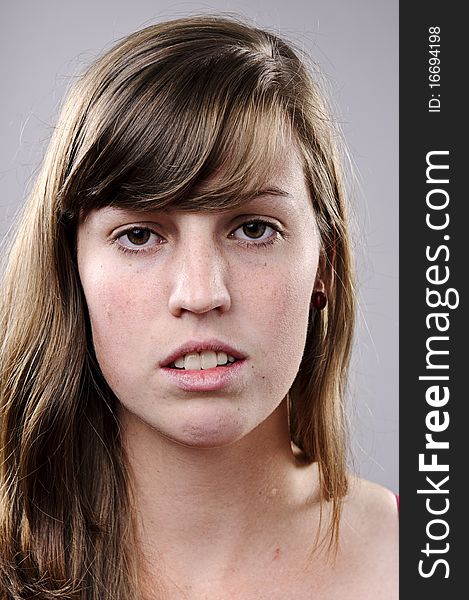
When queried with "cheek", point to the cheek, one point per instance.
{"points": [[288, 322], [119, 314], [124, 348], [280, 313], [290, 289]]}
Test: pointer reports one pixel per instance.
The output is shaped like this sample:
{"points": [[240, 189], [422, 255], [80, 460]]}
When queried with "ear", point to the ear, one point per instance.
{"points": [[325, 273]]}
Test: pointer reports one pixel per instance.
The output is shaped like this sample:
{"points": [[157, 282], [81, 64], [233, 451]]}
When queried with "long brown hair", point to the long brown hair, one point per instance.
{"points": [[145, 127]]}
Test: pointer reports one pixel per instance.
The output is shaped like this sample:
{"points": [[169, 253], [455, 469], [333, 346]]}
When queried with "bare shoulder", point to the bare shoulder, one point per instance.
{"points": [[372, 505], [370, 536]]}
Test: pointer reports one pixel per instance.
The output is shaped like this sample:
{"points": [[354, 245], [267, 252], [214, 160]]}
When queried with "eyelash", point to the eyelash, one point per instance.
{"points": [[264, 244]]}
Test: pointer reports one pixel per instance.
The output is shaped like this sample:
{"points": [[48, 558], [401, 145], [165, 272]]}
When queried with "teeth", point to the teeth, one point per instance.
{"points": [[192, 361], [222, 358], [207, 359]]}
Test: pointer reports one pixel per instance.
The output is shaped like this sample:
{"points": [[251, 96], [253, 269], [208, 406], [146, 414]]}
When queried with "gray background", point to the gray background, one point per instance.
{"points": [[44, 45]]}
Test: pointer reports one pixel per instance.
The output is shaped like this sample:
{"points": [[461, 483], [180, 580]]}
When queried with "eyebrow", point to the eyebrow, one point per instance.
{"points": [[270, 191]]}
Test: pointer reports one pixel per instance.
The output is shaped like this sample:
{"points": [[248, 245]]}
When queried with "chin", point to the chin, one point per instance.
{"points": [[206, 429]]}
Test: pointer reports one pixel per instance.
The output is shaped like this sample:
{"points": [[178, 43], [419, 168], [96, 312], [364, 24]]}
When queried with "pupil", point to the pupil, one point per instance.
{"points": [[252, 228], [138, 236]]}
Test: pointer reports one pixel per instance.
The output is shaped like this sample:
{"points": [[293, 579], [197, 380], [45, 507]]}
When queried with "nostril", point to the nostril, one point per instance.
{"points": [[199, 301]]}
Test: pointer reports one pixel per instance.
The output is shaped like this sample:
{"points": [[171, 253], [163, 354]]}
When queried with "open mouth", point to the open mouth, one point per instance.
{"points": [[194, 362], [207, 378]]}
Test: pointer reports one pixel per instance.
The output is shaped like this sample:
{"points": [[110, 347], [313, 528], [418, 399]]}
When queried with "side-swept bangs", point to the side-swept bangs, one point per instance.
{"points": [[198, 125]]}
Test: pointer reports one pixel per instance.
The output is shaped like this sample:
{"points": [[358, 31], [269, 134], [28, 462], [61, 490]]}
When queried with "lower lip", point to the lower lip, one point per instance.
{"points": [[204, 380]]}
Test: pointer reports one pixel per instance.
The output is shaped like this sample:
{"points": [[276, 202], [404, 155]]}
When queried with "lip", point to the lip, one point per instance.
{"points": [[200, 345], [205, 380]]}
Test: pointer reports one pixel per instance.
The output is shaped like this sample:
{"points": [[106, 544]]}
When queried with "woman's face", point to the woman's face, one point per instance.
{"points": [[156, 280]]}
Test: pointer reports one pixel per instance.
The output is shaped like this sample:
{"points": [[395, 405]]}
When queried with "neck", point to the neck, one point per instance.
{"points": [[207, 506]]}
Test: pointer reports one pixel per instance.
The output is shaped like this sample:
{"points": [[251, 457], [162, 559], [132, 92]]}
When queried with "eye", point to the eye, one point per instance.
{"points": [[255, 230], [136, 239]]}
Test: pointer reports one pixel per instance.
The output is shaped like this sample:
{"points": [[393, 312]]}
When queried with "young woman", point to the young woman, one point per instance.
{"points": [[177, 316]]}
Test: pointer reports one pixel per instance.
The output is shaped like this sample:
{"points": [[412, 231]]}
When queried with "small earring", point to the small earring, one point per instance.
{"points": [[319, 300]]}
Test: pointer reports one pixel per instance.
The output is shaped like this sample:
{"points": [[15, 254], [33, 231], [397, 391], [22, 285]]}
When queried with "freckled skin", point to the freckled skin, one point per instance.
{"points": [[200, 283]]}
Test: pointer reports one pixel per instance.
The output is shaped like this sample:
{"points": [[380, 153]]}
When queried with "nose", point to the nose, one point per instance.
{"points": [[199, 279]]}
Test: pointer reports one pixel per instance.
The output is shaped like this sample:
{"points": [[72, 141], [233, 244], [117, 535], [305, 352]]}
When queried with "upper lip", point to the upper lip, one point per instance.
{"points": [[200, 345]]}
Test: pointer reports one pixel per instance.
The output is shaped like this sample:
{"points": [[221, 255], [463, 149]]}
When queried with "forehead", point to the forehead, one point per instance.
{"points": [[284, 196], [283, 185], [285, 173]]}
